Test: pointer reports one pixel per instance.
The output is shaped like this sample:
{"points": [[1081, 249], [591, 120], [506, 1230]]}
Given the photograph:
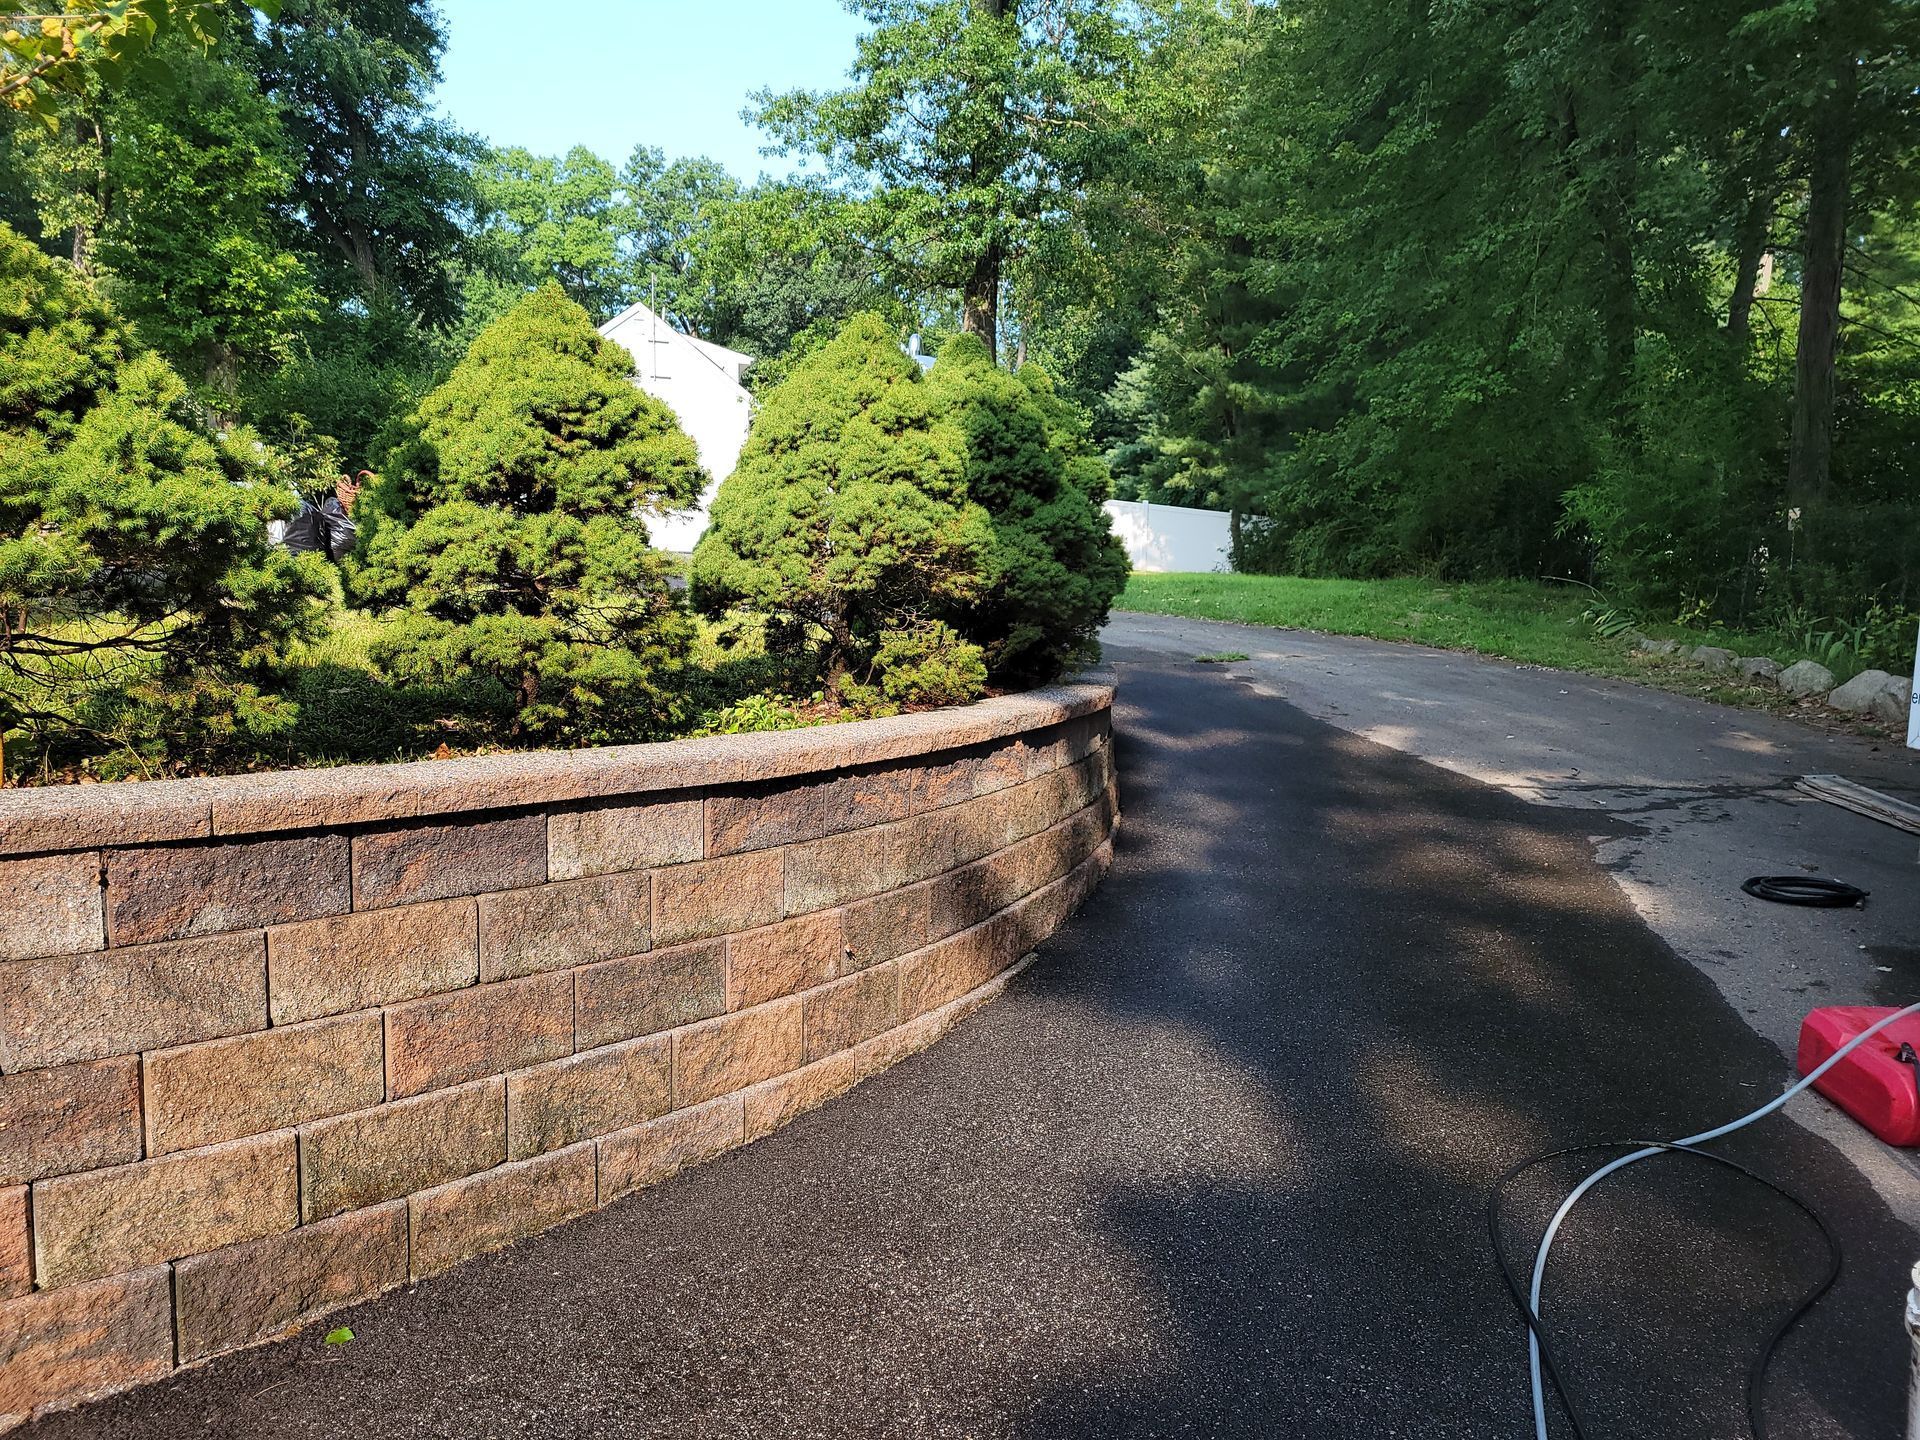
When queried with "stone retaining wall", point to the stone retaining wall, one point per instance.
{"points": [[273, 1044]]}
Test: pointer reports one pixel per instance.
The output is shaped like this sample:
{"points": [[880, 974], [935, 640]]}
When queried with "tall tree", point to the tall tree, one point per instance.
{"points": [[975, 120]]}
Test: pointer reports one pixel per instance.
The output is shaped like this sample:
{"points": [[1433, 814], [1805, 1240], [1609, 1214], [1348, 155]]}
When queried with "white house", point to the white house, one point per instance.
{"points": [[700, 383]]}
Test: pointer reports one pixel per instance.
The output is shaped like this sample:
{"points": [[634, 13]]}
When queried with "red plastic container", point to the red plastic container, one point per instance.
{"points": [[1871, 1085]]}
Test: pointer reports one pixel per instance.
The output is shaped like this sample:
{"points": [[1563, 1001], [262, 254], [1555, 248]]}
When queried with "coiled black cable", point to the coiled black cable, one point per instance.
{"points": [[1804, 890], [1757, 1375]]}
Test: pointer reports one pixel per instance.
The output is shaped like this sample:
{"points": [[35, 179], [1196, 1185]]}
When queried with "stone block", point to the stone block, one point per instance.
{"points": [[69, 1117], [647, 1154], [16, 1244], [470, 1217], [405, 864], [942, 781], [719, 1056], [783, 959], [716, 897], [357, 1160], [574, 922], [262, 1288], [53, 906], [645, 994], [552, 1106], [1759, 668], [949, 968], [85, 1341], [486, 1030], [1877, 694], [844, 868], [118, 1002], [1714, 658], [226, 1089], [767, 1107], [888, 926], [842, 1015], [103, 1222], [168, 892], [789, 811], [604, 839], [1806, 677], [374, 958]]}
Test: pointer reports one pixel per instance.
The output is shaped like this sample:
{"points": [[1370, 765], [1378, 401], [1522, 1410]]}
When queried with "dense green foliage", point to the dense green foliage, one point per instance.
{"points": [[1054, 565], [143, 603], [848, 517], [511, 531], [1607, 290]]}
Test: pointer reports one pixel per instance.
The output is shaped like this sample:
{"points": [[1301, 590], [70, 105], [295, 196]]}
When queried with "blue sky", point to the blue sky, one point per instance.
{"points": [[611, 74]]}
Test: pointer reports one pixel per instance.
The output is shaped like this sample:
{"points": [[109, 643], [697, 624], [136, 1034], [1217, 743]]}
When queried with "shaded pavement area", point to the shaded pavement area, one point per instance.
{"points": [[1214, 1166]]}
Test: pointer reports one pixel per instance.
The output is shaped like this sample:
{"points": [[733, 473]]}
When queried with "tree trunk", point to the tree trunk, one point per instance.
{"points": [[980, 300], [1810, 456], [1750, 245]]}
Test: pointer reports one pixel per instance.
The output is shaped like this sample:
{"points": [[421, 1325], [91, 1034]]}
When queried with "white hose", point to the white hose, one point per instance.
{"points": [[1560, 1215]]}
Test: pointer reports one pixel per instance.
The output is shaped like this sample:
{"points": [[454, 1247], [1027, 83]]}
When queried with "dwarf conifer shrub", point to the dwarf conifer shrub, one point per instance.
{"points": [[509, 532], [848, 517], [1054, 565], [143, 606]]}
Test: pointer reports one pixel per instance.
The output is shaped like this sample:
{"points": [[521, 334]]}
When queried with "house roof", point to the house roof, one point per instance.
{"points": [[728, 362]]}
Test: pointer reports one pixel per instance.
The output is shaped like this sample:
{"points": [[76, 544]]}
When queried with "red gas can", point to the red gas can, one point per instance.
{"points": [[1873, 1084]]}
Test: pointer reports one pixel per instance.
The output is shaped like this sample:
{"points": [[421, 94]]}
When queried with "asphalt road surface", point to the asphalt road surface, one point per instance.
{"points": [[1215, 1165]]}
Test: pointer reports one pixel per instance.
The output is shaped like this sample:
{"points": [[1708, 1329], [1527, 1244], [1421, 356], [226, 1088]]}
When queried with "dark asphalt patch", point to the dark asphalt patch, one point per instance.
{"points": [[1215, 1166]]}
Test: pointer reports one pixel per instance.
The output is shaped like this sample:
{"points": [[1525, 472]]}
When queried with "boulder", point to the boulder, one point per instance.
{"points": [[1758, 667], [1657, 647], [1876, 693], [1713, 657], [1807, 677]]}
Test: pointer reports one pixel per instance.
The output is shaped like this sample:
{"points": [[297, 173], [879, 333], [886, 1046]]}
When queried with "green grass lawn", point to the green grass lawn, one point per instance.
{"points": [[1529, 622]]}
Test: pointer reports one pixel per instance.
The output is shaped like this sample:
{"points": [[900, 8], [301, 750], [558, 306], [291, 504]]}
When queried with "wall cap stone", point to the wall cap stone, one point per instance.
{"points": [[71, 817]]}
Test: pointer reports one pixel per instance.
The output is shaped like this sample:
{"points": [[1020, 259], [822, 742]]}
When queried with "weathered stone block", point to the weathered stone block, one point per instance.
{"points": [[604, 839], [256, 1290], [70, 1117], [716, 897], [357, 1160], [783, 959], [574, 922], [1875, 693], [53, 906], [225, 1089], [16, 1268], [1805, 677], [842, 1015], [767, 1107], [168, 892], [735, 1051], [647, 1154], [553, 1106], [948, 968], [471, 1217], [844, 868], [449, 1039], [789, 811], [889, 925], [410, 863], [376, 957], [83, 1342], [103, 1222], [117, 1002], [968, 775], [646, 994]]}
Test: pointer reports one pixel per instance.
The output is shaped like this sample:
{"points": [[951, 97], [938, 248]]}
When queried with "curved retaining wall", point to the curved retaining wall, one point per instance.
{"points": [[275, 1043]]}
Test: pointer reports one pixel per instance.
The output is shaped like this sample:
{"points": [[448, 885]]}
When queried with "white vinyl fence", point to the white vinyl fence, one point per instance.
{"points": [[1172, 537]]}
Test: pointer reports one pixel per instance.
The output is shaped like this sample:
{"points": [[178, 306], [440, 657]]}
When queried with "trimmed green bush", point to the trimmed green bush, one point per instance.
{"points": [[1054, 565], [145, 605], [930, 665], [848, 516], [509, 532]]}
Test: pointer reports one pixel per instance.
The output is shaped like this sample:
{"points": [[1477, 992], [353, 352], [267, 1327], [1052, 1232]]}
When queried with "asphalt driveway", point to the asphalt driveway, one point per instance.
{"points": [[1213, 1166]]}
